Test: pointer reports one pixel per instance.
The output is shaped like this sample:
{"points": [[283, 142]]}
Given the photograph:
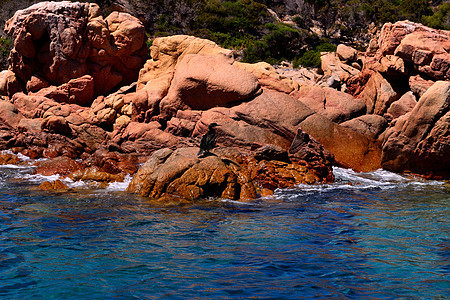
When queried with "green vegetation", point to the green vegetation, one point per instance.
{"points": [[247, 25], [311, 58], [5, 46], [441, 17], [353, 16], [280, 43], [234, 24]]}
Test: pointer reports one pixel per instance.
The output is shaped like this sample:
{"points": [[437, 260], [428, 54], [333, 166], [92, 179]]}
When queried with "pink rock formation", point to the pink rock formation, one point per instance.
{"points": [[60, 41], [427, 49], [335, 105], [207, 81], [419, 141]]}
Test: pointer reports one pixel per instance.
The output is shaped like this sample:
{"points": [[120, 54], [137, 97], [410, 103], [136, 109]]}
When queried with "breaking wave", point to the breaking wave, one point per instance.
{"points": [[347, 179]]}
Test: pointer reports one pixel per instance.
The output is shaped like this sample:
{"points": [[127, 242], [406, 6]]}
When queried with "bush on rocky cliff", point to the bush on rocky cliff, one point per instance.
{"points": [[311, 58], [5, 47], [441, 17], [281, 42]]}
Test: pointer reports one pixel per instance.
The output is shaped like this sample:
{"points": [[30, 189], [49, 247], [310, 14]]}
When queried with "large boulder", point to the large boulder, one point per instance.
{"points": [[77, 91], [402, 106], [335, 105], [206, 81], [332, 66], [419, 141], [345, 53], [9, 113], [181, 173], [273, 110], [419, 85], [235, 131], [269, 77], [156, 76], [427, 49], [350, 148], [60, 41], [371, 126], [8, 83], [378, 94]]}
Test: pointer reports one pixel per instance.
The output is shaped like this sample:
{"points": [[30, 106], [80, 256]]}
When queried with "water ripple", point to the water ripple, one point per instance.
{"points": [[369, 235]]}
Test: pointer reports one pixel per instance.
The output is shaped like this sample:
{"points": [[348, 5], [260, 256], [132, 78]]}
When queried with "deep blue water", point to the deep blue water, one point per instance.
{"points": [[368, 236]]}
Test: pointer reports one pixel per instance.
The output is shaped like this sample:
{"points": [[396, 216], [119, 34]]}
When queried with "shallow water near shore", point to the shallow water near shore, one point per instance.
{"points": [[370, 235]]}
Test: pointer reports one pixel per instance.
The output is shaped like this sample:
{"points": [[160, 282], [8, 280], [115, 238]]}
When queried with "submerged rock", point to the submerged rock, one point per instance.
{"points": [[54, 185]]}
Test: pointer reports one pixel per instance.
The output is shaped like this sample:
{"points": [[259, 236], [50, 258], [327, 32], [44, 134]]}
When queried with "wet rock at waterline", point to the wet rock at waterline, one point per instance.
{"points": [[224, 173]]}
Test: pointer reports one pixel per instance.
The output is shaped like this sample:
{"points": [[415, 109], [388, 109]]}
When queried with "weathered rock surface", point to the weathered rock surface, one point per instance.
{"points": [[274, 131], [59, 165], [269, 77], [425, 49], [54, 185], [8, 159], [370, 126], [402, 106], [418, 85], [345, 53], [378, 94], [206, 81], [335, 105], [77, 91], [227, 173], [350, 148], [8, 83], [166, 52], [332, 65], [419, 141], [9, 113], [60, 41]]}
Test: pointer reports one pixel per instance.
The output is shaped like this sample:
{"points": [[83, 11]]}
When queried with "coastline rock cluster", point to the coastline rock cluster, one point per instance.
{"points": [[80, 86], [60, 41], [406, 80]]}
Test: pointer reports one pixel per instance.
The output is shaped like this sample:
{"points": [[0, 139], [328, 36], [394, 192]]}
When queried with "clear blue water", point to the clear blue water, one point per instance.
{"points": [[368, 236]]}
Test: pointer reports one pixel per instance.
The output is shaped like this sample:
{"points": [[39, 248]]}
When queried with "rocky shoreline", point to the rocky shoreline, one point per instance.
{"points": [[81, 92]]}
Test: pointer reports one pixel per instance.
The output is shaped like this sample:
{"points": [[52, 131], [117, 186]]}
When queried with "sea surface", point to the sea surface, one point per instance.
{"points": [[368, 236]]}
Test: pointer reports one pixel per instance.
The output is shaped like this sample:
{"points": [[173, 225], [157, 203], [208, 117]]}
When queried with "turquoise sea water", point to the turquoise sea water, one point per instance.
{"points": [[367, 236]]}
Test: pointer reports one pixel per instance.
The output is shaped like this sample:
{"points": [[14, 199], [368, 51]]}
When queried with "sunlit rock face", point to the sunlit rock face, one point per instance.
{"points": [[60, 41], [419, 140]]}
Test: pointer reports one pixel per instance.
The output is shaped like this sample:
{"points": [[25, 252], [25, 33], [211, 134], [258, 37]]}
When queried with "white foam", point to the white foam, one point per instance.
{"points": [[347, 179], [9, 166], [38, 178], [22, 157], [120, 186], [234, 202]]}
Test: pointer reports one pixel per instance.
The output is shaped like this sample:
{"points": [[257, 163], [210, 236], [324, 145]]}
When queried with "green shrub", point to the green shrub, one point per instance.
{"points": [[164, 27], [440, 19], [284, 41], [242, 17], [326, 47], [6, 45], [311, 59], [256, 52]]}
